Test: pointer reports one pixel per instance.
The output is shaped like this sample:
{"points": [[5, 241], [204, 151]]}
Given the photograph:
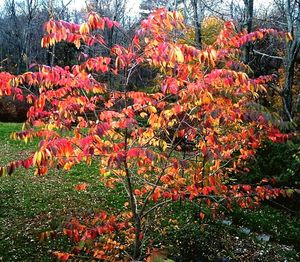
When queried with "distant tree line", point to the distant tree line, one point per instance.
{"points": [[21, 28]]}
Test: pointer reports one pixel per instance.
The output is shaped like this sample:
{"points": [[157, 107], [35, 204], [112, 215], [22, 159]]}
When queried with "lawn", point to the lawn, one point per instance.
{"points": [[31, 205]]}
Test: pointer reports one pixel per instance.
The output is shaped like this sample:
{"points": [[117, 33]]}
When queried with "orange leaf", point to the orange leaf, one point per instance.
{"points": [[62, 256], [81, 187], [202, 215]]}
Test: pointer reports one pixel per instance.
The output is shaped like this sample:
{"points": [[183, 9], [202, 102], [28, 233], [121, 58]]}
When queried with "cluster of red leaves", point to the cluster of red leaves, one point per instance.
{"points": [[11, 167], [75, 33], [99, 236]]}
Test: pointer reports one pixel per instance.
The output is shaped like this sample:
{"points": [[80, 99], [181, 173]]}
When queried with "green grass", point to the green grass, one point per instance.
{"points": [[31, 205]]}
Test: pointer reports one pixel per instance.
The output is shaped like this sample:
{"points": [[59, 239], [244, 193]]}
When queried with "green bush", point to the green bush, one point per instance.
{"points": [[281, 161]]}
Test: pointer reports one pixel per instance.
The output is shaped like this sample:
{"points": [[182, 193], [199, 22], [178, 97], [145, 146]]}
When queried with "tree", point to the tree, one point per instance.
{"points": [[248, 25], [147, 7], [21, 24], [283, 15], [197, 23], [292, 14], [205, 106], [14, 31]]}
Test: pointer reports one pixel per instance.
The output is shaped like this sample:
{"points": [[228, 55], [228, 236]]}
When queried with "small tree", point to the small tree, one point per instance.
{"points": [[205, 107]]}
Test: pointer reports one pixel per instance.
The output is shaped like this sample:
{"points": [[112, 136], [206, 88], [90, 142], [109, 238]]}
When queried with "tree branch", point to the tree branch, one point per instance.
{"points": [[264, 54]]}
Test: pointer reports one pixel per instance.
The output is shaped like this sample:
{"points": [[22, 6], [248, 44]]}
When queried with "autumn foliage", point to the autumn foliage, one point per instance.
{"points": [[186, 141]]}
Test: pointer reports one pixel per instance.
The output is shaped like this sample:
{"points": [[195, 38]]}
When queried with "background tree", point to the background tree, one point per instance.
{"points": [[17, 21], [248, 25], [292, 14]]}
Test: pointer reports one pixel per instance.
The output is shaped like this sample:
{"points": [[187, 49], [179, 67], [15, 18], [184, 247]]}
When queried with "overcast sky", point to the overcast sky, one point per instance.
{"points": [[133, 5]]}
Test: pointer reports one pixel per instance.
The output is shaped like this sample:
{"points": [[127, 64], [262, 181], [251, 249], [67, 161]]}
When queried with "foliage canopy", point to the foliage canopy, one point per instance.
{"points": [[189, 140]]}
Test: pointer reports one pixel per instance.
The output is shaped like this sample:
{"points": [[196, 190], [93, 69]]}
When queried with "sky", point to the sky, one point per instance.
{"points": [[133, 5]]}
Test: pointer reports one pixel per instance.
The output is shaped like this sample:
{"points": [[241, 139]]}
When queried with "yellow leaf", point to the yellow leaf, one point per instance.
{"points": [[37, 158], [179, 55], [151, 109], [13, 136], [77, 43], [210, 95], [107, 174], [48, 153], [163, 144], [289, 36], [143, 114], [84, 29], [68, 166], [213, 53]]}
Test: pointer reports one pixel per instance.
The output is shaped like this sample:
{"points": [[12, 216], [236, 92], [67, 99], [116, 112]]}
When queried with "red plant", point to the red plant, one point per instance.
{"points": [[205, 106]]}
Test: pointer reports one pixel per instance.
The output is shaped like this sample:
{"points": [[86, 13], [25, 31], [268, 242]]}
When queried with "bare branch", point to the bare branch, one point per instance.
{"points": [[270, 56]]}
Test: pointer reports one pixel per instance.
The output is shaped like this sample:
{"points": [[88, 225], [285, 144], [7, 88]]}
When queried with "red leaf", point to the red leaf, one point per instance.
{"points": [[109, 23], [212, 180], [62, 256], [205, 190], [202, 215], [133, 152], [156, 195], [81, 187], [137, 192], [247, 188]]}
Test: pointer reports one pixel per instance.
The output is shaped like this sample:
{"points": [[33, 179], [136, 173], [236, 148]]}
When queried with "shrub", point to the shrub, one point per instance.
{"points": [[205, 100]]}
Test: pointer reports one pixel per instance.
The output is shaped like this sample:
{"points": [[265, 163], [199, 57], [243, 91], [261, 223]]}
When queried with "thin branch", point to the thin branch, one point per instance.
{"points": [[270, 56], [287, 110], [154, 207], [284, 207]]}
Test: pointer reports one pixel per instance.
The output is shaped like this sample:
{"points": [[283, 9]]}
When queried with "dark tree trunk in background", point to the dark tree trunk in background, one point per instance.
{"points": [[248, 27], [288, 84], [197, 23], [292, 12]]}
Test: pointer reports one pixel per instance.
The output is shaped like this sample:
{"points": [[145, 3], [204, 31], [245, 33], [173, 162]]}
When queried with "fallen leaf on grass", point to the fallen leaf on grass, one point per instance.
{"points": [[81, 187]]}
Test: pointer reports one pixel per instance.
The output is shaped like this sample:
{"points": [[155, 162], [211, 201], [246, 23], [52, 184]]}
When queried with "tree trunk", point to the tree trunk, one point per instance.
{"points": [[137, 241], [133, 202], [197, 24], [248, 26], [288, 84], [292, 51]]}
